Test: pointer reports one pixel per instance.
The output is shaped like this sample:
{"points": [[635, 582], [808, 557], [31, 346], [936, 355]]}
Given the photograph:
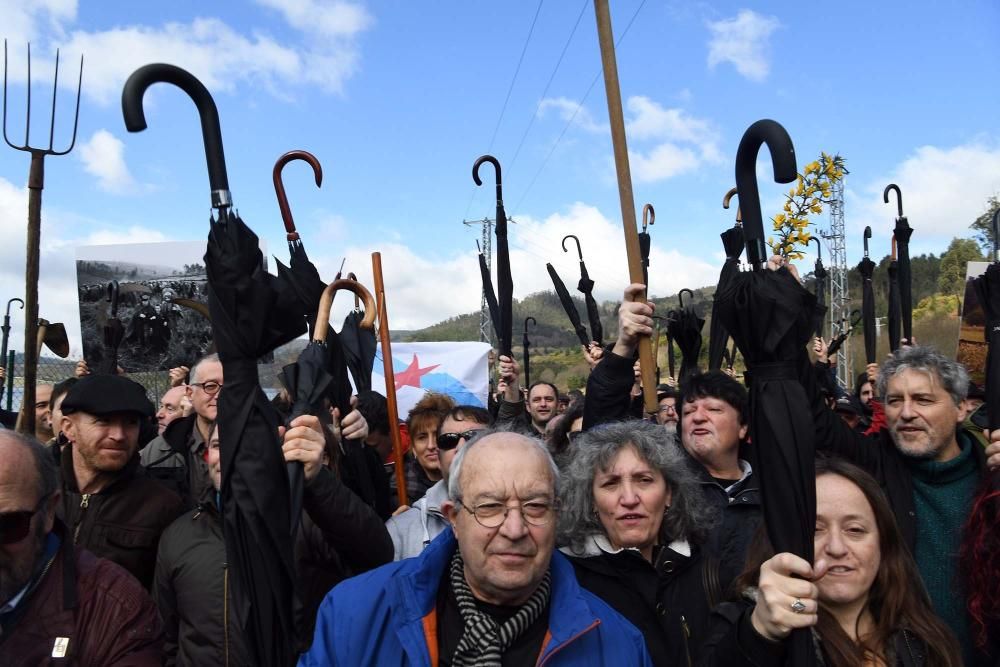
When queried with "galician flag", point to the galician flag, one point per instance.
{"points": [[459, 370]]}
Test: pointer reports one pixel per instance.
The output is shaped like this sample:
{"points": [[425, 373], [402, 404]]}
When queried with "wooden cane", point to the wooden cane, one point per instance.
{"points": [[390, 379], [647, 365]]}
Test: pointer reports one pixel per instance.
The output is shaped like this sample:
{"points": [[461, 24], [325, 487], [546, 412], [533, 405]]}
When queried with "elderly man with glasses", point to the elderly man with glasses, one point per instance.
{"points": [[58, 603], [489, 591], [413, 530], [177, 457]]}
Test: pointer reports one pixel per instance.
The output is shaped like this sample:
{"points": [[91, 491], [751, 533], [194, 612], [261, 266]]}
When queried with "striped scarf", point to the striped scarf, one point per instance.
{"points": [[484, 640]]}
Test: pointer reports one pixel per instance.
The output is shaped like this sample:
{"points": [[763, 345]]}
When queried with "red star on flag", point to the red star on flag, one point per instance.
{"points": [[411, 376]]}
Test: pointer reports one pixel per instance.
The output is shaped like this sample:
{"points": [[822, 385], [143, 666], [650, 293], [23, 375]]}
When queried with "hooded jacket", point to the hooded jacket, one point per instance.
{"points": [[388, 617], [415, 528]]}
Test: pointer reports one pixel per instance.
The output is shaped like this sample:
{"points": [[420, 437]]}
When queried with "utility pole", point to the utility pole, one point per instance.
{"points": [[486, 247]]}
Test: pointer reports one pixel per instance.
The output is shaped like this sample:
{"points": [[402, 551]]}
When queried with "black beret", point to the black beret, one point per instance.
{"points": [[107, 394]]}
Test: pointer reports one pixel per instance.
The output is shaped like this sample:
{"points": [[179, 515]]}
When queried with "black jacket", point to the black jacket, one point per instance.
{"points": [[733, 642], [339, 536], [176, 460], [668, 600], [122, 522]]}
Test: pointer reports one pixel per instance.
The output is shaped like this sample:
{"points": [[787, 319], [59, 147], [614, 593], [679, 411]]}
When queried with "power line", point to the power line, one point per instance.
{"points": [[576, 111]]}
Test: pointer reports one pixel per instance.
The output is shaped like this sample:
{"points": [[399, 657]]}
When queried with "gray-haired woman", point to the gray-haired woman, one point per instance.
{"points": [[632, 516]]}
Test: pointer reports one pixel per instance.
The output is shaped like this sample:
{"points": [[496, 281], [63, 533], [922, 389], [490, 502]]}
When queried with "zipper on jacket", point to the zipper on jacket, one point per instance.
{"points": [[569, 641], [84, 504], [225, 613], [687, 638]]}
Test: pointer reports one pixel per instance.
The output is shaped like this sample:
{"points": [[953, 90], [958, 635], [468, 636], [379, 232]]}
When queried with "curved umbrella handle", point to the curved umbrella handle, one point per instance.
{"points": [[579, 250], [899, 197], [279, 186], [496, 165], [680, 296], [782, 152], [725, 204], [113, 297], [868, 235], [326, 301], [819, 248], [211, 132], [892, 256], [533, 321], [648, 214], [10, 301]]}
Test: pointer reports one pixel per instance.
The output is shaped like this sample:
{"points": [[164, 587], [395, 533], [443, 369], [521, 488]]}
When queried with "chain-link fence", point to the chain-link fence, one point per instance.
{"points": [[52, 370]]}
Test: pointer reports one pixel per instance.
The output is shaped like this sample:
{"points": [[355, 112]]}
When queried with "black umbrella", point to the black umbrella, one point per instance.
{"points": [[505, 285], [648, 217], [359, 342], [526, 344], [867, 268], [113, 331], [902, 232], [248, 320], [488, 293], [568, 305], [820, 274], [684, 326], [586, 286], [988, 290], [732, 242], [894, 314], [772, 317]]}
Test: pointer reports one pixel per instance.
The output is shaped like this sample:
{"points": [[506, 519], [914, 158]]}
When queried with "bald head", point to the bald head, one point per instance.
{"points": [[484, 456], [26, 468]]}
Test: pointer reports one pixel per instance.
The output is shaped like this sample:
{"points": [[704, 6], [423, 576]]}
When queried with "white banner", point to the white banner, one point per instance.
{"points": [[459, 370]]}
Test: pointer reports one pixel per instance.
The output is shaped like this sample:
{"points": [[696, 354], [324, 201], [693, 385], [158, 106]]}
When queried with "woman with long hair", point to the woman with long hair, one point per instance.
{"points": [[980, 566], [862, 596]]}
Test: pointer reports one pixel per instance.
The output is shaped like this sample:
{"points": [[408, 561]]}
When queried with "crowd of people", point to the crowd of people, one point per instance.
{"points": [[551, 528]]}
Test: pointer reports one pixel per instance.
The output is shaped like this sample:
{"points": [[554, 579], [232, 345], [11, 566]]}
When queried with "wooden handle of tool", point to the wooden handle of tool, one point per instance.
{"points": [[390, 380], [326, 302], [647, 364]]}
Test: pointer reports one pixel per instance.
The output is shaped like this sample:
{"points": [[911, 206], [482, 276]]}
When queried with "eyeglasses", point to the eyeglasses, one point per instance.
{"points": [[668, 408], [493, 514], [209, 388], [448, 441], [14, 526]]}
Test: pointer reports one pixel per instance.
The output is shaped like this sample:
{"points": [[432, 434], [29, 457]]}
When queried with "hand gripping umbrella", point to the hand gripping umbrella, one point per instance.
{"points": [[586, 286], [249, 319], [894, 314], [505, 285], [568, 305], [684, 326], [867, 269], [3, 346], [526, 344], [772, 317], [732, 242], [820, 274], [645, 243], [987, 288], [902, 232], [113, 332]]}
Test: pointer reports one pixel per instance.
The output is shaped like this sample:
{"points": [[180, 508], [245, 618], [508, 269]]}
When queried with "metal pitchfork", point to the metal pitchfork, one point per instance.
{"points": [[36, 182]]}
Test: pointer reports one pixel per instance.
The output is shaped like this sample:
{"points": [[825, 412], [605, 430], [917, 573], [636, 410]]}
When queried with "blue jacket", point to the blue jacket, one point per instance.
{"points": [[387, 617]]}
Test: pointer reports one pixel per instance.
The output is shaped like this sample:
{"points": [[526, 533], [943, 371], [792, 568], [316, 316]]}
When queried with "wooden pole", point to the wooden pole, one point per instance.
{"points": [[647, 364], [390, 379]]}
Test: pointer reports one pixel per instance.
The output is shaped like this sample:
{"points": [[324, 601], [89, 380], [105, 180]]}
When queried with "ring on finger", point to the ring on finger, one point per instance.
{"points": [[798, 606]]}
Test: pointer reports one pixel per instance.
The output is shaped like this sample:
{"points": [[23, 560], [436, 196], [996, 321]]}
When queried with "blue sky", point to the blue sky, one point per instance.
{"points": [[398, 99]]}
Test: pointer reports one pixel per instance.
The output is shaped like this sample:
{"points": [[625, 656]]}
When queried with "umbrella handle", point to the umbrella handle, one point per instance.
{"points": [[211, 132], [899, 197], [819, 248], [326, 302], [782, 152], [648, 216], [533, 321], [680, 296], [12, 301], [579, 250], [496, 165], [725, 204], [279, 186], [868, 235]]}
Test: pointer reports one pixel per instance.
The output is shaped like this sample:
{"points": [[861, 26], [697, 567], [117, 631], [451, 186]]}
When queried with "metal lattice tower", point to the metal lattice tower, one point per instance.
{"points": [[486, 247], [840, 300]]}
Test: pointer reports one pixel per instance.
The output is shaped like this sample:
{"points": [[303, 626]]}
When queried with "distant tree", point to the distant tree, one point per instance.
{"points": [[983, 226], [951, 279]]}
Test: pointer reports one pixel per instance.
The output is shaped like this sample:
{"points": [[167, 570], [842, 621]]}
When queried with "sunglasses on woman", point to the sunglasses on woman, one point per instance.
{"points": [[446, 441], [14, 526]]}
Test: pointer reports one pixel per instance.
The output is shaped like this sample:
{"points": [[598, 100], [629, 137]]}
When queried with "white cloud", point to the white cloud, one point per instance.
{"points": [[685, 142], [570, 110], [665, 161], [103, 156], [743, 42], [944, 191], [325, 18], [26, 20]]}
